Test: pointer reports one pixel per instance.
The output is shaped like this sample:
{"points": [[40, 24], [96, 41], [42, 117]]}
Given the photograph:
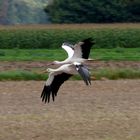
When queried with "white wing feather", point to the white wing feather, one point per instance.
{"points": [[68, 49], [50, 79]]}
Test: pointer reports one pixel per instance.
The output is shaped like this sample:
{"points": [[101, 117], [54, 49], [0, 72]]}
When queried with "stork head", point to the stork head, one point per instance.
{"points": [[49, 70]]}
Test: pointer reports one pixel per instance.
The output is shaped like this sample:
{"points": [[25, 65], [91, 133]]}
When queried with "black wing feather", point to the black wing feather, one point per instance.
{"points": [[46, 94], [54, 87], [84, 72], [86, 46]]}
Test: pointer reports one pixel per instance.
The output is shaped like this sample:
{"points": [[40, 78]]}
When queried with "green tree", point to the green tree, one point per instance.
{"points": [[83, 11], [133, 8]]}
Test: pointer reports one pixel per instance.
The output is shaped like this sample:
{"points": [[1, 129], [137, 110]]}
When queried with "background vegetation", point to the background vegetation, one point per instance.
{"points": [[105, 36]]}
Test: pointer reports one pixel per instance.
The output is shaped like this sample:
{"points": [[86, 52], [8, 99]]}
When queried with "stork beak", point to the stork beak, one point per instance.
{"points": [[42, 72], [45, 71]]}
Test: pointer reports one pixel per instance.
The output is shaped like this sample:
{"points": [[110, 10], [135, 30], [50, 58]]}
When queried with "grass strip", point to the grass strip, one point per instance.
{"points": [[112, 74], [129, 54], [119, 73], [21, 75]]}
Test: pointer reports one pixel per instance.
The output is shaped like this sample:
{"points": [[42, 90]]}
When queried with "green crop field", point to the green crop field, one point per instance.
{"points": [[50, 37]]}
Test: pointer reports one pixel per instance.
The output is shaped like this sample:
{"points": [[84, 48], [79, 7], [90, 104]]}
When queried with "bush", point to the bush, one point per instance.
{"points": [[53, 38]]}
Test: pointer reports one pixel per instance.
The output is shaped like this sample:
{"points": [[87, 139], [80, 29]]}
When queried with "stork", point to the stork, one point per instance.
{"points": [[77, 55], [58, 76]]}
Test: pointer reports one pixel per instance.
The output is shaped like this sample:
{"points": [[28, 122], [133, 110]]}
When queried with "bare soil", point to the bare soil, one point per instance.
{"points": [[33, 65], [106, 110]]}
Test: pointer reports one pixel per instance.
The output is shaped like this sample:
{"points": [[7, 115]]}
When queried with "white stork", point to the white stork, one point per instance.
{"points": [[77, 54], [58, 76]]}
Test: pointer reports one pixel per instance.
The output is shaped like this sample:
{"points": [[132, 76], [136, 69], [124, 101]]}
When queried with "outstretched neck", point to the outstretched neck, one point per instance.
{"points": [[50, 70], [61, 62]]}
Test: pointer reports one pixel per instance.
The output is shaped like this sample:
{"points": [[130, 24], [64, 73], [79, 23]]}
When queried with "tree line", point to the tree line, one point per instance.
{"points": [[93, 11], [69, 11]]}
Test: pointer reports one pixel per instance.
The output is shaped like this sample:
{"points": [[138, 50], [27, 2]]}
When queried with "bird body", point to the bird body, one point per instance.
{"points": [[66, 68], [67, 61]]}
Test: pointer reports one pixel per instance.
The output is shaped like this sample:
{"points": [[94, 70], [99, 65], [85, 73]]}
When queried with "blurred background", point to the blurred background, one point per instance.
{"points": [[68, 11]]}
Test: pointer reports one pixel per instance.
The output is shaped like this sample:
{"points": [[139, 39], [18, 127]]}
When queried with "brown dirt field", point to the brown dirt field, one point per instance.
{"points": [[106, 110], [35, 65]]}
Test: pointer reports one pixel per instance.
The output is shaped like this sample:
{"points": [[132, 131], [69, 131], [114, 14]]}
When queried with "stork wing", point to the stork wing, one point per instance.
{"points": [[68, 48], [84, 72], [82, 49], [52, 86]]}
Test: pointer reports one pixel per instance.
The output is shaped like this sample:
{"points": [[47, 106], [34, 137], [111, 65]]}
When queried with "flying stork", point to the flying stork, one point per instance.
{"points": [[77, 55], [58, 76]]}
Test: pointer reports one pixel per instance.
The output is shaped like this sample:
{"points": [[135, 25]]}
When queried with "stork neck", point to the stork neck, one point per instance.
{"points": [[51, 70]]}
